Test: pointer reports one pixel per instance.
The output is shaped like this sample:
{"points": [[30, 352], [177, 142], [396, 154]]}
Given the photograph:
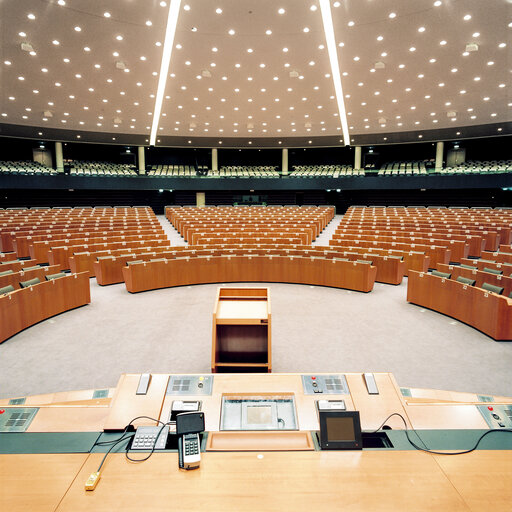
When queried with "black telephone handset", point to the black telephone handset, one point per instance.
{"points": [[188, 426]]}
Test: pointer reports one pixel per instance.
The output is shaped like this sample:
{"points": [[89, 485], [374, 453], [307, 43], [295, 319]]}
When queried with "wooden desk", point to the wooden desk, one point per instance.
{"points": [[300, 481], [486, 311], [241, 333], [25, 307], [313, 271]]}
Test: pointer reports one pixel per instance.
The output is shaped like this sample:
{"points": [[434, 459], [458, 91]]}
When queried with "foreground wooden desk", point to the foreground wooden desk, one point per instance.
{"points": [[400, 479]]}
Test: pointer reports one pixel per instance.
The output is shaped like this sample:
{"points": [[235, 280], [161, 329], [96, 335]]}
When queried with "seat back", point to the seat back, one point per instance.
{"points": [[493, 271], [30, 282], [55, 276], [6, 289], [466, 280], [492, 288], [441, 274]]}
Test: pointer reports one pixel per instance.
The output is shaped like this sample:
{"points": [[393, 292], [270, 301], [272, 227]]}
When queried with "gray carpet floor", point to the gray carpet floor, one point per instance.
{"points": [[314, 329]]}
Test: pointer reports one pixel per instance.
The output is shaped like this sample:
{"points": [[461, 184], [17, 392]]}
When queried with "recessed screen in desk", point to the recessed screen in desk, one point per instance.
{"points": [[192, 385], [340, 429]]}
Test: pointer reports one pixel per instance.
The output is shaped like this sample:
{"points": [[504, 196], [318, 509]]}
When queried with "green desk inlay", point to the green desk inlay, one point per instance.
{"points": [[484, 398], [100, 393], [405, 391], [47, 442]]}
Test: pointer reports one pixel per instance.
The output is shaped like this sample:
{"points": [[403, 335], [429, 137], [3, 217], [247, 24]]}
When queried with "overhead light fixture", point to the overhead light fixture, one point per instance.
{"points": [[472, 47], [170, 32], [325, 9]]}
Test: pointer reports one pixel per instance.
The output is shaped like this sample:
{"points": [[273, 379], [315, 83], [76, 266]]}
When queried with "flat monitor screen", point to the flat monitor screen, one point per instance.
{"points": [[340, 429]]}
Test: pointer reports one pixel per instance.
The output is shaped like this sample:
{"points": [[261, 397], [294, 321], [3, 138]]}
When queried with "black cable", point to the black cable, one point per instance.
{"points": [[427, 450], [152, 448], [115, 442]]}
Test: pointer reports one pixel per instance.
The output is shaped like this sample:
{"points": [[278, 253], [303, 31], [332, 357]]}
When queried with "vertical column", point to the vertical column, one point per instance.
{"points": [[215, 164], [284, 162], [141, 160], [439, 155], [59, 160], [357, 158], [200, 198]]}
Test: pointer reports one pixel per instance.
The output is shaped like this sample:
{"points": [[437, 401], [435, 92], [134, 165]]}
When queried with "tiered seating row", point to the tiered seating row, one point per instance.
{"points": [[480, 276], [26, 274], [28, 306], [327, 171], [185, 271], [245, 171], [484, 310], [230, 217]]}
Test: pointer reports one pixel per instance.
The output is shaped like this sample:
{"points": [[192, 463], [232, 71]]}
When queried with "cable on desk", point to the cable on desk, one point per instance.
{"points": [[427, 450]]}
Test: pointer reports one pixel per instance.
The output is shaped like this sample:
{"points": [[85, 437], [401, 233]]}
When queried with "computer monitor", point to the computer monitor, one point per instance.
{"points": [[340, 430]]}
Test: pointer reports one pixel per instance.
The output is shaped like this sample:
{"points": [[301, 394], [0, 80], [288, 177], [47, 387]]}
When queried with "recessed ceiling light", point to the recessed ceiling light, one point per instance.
{"points": [[187, 63], [311, 62], [462, 91], [186, 7], [21, 78], [454, 70], [412, 49], [158, 43], [78, 29], [31, 17], [476, 79], [262, 65], [249, 50], [87, 49], [421, 29], [467, 17], [432, 61], [61, 2], [237, 65], [441, 84], [442, 43], [78, 75], [212, 64], [281, 11], [107, 14], [149, 23], [502, 45], [305, 29], [268, 32], [12, 98], [401, 66], [392, 15], [231, 32], [35, 91], [218, 10], [465, 54], [194, 29], [22, 34], [490, 63], [501, 85], [313, 8], [55, 42], [437, 3], [476, 34], [285, 49], [119, 38], [380, 38]]}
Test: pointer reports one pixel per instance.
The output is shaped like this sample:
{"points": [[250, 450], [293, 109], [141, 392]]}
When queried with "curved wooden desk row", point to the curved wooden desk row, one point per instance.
{"points": [[305, 236], [60, 255], [310, 228], [84, 261], [39, 250], [476, 243], [222, 269], [436, 254], [23, 243], [498, 257], [199, 237], [458, 249], [500, 234], [506, 268], [479, 276], [483, 310], [8, 237], [248, 240], [390, 268], [7, 256], [24, 275], [28, 306], [17, 265]]}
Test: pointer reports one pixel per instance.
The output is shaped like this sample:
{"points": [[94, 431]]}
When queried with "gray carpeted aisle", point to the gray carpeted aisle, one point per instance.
{"points": [[314, 329]]}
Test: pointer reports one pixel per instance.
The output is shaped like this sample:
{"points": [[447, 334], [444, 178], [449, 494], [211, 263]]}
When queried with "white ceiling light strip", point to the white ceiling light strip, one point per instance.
{"points": [[325, 9], [170, 31]]}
